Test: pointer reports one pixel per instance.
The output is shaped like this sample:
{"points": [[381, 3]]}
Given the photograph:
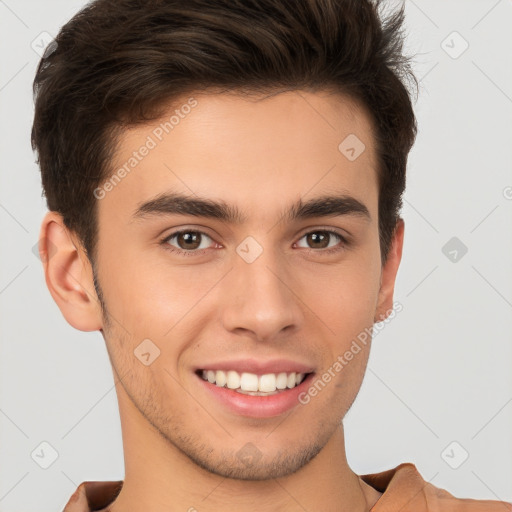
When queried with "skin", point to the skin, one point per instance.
{"points": [[180, 447]]}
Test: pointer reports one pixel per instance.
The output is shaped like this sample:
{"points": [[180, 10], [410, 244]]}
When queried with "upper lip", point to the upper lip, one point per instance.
{"points": [[258, 367]]}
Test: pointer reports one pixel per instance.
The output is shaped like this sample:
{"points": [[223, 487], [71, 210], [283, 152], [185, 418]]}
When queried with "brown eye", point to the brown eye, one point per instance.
{"points": [[318, 239], [321, 239], [186, 241], [189, 240]]}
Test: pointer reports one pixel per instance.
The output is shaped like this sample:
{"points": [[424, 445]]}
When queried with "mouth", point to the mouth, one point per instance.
{"points": [[253, 384], [255, 388]]}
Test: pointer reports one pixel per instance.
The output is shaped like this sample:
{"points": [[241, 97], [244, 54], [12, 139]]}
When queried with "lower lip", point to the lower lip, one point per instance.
{"points": [[257, 406]]}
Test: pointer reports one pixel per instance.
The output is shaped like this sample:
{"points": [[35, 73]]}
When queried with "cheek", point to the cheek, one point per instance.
{"points": [[149, 292], [345, 296], [167, 305]]}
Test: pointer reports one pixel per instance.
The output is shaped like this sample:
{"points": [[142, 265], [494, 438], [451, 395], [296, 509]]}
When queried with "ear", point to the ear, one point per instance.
{"points": [[68, 274], [389, 271]]}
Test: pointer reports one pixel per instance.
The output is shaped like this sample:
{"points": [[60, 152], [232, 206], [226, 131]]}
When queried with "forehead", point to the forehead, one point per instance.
{"points": [[247, 151]]}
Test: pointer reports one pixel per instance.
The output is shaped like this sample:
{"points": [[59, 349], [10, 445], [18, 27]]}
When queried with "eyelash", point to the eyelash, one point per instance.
{"points": [[181, 252]]}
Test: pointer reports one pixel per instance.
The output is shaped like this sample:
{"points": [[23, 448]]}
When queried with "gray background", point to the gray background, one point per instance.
{"points": [[440, 371]]}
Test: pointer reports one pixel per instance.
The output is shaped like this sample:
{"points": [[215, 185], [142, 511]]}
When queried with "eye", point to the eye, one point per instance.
{"points": [[192, 242], [189, 242], [320, 239]]}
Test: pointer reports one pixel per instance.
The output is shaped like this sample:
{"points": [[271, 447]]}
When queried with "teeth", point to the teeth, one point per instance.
{"points": [[281, 380], [267, 382], [252, 384], [291, 380], [249, 382], [233, 380], [256, 393], [221, 378]]}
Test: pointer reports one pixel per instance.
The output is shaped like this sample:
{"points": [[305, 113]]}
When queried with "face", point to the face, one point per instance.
{"points": [[264, 292]]}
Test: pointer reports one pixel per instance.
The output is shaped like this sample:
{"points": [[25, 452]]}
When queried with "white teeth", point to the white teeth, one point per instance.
{"points": [[252, 384], [233, 380], [249, 382], [267, 382], [256, 393], [281, 380], [220, 378]]}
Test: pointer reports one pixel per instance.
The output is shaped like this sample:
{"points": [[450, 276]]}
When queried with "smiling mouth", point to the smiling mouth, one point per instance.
{"points": [[251, 383]]}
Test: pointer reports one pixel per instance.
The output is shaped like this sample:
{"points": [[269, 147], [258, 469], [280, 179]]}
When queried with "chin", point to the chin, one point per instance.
{"points": [[248, 463]]}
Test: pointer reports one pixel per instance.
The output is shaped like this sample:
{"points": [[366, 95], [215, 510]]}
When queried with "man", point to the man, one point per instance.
{"points": [[271, 137]]}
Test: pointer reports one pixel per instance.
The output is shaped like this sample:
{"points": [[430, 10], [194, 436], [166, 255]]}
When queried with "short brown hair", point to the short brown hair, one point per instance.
{"points": [[119, 63]]}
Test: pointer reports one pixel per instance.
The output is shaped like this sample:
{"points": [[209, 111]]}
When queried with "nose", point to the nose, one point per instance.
{"points": [[260, 298]]}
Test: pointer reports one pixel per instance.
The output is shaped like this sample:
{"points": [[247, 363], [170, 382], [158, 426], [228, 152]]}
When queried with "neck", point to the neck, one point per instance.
{"points": [[159, 476]]}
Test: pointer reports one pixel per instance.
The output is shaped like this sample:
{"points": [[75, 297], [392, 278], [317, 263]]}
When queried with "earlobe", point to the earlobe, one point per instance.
{"points": [[68, 274], [389, 272]]}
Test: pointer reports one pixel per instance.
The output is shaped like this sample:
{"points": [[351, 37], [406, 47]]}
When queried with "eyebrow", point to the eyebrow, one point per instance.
{"points": [[179, 204]]}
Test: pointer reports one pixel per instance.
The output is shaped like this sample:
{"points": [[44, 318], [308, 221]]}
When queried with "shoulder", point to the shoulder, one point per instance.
{"points": [[93, 495], [405, 489], [78, 500]]}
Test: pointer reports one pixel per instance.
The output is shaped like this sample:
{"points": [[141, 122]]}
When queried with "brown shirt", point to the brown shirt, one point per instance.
{"points": [[403, 490]]}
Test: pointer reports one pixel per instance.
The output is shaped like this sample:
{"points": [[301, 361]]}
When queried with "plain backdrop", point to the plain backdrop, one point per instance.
{"points": [[438, 390]]}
